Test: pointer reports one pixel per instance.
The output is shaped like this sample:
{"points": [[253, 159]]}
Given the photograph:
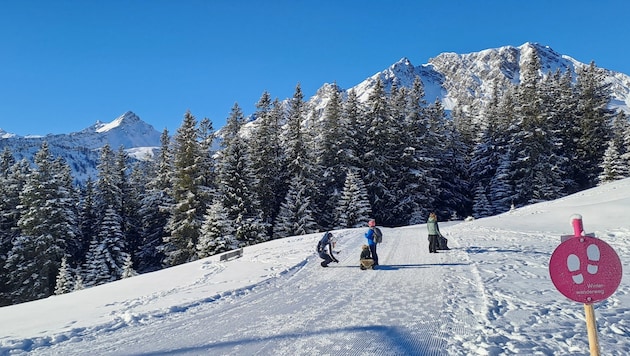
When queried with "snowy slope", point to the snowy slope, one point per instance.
{"points": [[491, 294]]}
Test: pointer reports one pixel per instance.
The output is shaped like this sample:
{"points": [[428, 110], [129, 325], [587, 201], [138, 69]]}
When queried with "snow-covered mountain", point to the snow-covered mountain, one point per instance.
{"points": [[454, 79], [81, 149]]}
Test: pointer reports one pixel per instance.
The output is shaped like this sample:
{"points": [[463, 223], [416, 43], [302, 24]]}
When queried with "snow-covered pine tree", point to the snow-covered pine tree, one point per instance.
{"points": [[376, 153], [128, 270], [418, 186], [594, 116], [12, 178], [436, 167], [88, 222], [113, 245], [298, 146], [46, 223], [526, 134], [217, 231], [133, 187], [186, 215], [354, 208], [455, 198], [330, 159], [612, 165], [64, 283], [95, 270], [235, 180], [296, 212], [481, 206], [267, 158], [78, 281], [154, 210]]}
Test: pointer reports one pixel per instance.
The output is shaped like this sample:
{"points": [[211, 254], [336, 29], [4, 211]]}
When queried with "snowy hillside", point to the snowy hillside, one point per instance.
{"points": [[491, 294]]}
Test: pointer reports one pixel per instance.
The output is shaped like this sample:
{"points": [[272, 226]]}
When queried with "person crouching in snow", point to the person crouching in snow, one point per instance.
{"points": [[365, 259], [327, 242]]}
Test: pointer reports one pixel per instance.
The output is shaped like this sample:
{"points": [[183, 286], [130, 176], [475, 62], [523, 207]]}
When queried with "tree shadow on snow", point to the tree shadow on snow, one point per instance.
{"points": [[392, 339]]}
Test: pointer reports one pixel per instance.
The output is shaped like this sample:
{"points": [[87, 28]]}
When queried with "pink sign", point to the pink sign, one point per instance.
{"points": [[585, 269]]}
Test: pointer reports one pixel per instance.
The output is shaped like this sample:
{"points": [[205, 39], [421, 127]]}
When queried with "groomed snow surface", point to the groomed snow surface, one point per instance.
{"points": [[491, 294]]}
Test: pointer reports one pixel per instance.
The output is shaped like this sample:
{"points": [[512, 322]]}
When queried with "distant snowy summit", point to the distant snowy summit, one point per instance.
{"points": [[81, 149], [128, 131], [453, 78]]}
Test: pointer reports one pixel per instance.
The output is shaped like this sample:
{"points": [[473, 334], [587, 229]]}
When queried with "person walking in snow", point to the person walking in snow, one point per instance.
{"points": [[370, 235], [327, 243], [434, 233]]}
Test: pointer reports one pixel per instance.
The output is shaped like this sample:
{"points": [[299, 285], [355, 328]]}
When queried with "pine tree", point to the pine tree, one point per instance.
{"points": [[128, 270], [613, 166], [184, 223], [296, 214], [418, 184], [376, 153], [354, 208], [330, 160], [113, 246], [12, 179], [593, 97], [95, 270], [235, 179], [266, 155], [217, 232], [88, 222], [47, 224], [64, 283], [154, 209], [298, 147]]}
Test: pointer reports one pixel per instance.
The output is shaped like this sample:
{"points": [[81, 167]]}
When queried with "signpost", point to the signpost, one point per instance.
{"points": [[587, 270]]}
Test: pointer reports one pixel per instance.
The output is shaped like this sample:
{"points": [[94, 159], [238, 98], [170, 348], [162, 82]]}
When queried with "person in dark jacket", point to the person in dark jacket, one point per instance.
{"points": [[325, 249], [365, 260], [434, 233], [370, 237]]}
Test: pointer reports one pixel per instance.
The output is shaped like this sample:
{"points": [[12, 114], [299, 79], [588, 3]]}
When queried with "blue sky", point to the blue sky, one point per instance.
{"points": [[65, 64]]}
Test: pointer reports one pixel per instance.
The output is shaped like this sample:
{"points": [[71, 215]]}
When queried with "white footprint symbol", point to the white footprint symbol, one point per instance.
{"points": [[573, 264], [592, 252]]}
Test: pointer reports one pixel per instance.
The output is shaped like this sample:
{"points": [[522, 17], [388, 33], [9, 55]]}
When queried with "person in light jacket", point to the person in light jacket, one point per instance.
{"points": [[434, 233]]}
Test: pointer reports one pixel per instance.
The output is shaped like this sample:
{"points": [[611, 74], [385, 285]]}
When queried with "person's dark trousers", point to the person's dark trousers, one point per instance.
{"points": [[433, 243], [326, 257], [374, 255]]}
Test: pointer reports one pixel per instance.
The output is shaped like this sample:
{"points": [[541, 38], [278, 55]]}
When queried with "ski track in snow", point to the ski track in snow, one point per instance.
{"points": [[452, 303]]}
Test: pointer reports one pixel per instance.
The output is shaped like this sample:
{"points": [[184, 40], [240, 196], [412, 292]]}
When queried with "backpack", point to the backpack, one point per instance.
{"points": [[321, 245], [378, 235]]}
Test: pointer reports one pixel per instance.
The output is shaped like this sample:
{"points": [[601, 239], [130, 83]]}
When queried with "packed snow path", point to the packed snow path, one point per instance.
{"points": [[397, 309]]}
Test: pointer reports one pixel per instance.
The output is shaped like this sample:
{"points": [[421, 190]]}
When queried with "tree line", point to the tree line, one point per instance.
{"points": [[298, 169]]}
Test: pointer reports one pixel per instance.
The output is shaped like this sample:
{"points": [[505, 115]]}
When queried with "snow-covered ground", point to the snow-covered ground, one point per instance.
{"points": [[491, 294]]}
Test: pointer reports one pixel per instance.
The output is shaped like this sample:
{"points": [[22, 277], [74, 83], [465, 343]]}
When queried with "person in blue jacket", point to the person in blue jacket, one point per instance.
{"points": [[370, 236], [326, 243]]}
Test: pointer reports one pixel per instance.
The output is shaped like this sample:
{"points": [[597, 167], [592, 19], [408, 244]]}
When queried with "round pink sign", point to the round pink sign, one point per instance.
{"points": [[585, 269]]}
